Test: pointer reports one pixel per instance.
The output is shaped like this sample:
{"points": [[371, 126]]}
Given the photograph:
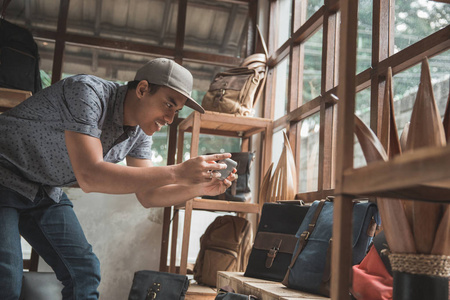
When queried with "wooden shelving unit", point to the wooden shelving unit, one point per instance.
{"points": [[10, 98], [215, 124], [421, 175]]}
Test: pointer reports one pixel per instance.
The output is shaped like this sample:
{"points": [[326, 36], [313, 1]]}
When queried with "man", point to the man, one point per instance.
{"points": [[74, 132]]}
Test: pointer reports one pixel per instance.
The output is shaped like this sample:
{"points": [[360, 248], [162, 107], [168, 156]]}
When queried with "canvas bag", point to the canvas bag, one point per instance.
{"points": [[275, 239], [309, 270], [225, 246], [151, 285], [235, 91]]}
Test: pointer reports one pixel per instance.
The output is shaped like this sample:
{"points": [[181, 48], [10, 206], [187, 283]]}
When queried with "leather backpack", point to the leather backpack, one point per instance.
{"points": [[225, 246], [235, 91]]}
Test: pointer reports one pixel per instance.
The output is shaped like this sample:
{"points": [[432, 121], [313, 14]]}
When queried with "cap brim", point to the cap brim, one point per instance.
{"points": [[194, 105], [190, 102]]}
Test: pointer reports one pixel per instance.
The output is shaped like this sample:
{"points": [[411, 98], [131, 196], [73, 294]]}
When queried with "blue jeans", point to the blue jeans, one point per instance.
{"points": [[53, 230]]}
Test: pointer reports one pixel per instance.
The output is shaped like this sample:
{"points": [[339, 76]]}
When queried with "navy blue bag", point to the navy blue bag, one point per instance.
{"points": [[309, 270]]}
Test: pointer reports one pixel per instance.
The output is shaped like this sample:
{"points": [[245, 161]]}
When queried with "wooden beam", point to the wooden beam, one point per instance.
{"points": [[181, 29], [60, 42], [341, 257]]}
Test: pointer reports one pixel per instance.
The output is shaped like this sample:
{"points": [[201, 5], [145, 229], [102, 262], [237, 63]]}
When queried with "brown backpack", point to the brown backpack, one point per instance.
{"points": [[225, 246], [235, 91]]}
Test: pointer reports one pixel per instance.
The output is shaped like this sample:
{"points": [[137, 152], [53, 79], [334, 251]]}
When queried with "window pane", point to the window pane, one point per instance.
{"points": [[309, 154], [362, 110], [415, 20], [281, 84], [217, 27], [277, 147], [46, 54], [148, 22], [312, 67], [35, 14], [313, 6], [406, 85], [159, 147], [284, 21], [364, 42]]}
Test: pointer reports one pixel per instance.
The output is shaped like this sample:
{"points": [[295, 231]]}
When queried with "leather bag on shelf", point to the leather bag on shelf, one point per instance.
{"points": [[310, 268], [275, 240], [150, 285], [240, 188], [225, 246], [236, 90]]}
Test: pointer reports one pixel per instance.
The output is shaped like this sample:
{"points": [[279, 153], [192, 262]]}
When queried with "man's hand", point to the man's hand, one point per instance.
{"points": [[216, 186], [199, 169]]}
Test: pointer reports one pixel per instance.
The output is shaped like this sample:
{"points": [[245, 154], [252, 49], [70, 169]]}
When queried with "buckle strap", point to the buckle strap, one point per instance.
{"points": [[152, 291], [272, 254], [303, 240]]}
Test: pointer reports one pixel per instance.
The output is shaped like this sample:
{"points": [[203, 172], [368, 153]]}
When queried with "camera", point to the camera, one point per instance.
{"points": [[231, 164]]}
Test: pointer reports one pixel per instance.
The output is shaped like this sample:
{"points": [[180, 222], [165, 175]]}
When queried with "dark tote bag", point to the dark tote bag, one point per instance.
{"points": [[275, 240], [150, 285]]}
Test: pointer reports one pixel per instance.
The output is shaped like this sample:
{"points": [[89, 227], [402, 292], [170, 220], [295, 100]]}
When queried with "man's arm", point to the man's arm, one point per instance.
{"points": [[93, 174]]}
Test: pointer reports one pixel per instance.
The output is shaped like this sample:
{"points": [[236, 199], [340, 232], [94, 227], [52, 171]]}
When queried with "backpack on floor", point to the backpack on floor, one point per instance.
{"points": [[225, 246]]}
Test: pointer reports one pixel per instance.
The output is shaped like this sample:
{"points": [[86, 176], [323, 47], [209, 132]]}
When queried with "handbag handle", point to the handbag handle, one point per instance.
{"points": [[304, 239]]}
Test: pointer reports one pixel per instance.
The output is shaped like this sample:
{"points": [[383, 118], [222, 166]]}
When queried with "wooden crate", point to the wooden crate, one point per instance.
{"points": [[263, 289]]}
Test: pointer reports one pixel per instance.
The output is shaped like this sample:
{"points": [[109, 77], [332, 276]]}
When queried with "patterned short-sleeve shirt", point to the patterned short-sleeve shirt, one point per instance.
{"points": [[33, 151]]}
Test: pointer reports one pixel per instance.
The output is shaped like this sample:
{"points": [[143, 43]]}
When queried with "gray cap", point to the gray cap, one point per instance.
{"points": [[166, 72]]}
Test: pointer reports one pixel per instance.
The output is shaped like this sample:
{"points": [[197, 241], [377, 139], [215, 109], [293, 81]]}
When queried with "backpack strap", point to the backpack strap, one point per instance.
{"points": [[304, 240]]}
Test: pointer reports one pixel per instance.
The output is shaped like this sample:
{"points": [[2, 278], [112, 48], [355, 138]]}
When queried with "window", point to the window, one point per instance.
{"points": [[304, 105]]}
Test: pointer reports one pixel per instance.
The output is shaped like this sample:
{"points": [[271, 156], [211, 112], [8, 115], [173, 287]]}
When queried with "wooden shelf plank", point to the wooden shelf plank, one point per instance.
{"points": [[420, 175], [220, 205], [263, 289], [220, 122], [10, 98]]}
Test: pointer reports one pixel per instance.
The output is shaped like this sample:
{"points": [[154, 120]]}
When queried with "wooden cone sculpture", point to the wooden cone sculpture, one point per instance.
{"points": [[264, 193], [425, 130], [394, 218], [392, 215], [284, 181], [442, 240], [446, 121]]}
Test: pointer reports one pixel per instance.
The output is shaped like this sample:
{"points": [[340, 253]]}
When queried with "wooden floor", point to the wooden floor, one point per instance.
{"points": [[263, 289], [200, 292]]}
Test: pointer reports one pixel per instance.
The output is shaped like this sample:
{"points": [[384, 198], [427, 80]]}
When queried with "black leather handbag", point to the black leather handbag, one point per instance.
{"points": [[150, 285], [275, 240]]}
